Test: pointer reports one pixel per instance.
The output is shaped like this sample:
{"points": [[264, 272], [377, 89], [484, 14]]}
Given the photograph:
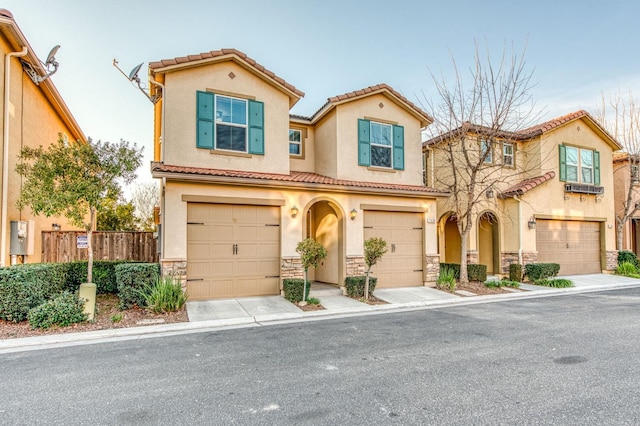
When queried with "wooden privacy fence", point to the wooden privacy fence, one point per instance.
{"points": [[62, 246]]}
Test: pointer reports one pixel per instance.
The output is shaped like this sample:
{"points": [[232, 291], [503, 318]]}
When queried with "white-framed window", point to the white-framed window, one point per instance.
{"points": [[381, 145], [508, 158], [231, 123], [295, 142], [580, 164], [486, 152]]}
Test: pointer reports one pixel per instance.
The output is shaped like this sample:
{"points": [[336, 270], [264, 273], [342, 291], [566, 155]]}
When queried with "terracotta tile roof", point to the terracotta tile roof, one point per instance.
{"points": [[476, 129], [554, 123], [299, 117], [219, 53], [527, 185], [372, 90], [298, 177]]}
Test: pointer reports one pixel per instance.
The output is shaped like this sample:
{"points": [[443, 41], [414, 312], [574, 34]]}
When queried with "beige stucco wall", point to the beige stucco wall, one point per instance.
{"points": [[346, 141], [33, 121], [180, 118], [292, 229], [326, 147], [307, 162]]}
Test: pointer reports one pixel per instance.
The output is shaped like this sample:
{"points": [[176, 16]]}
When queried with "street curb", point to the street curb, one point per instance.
{"points": [[91, 337]]}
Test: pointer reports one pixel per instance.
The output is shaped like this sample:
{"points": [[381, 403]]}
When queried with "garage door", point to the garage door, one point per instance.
{"points": [[401, 266], [232, 251], [575, 245]]}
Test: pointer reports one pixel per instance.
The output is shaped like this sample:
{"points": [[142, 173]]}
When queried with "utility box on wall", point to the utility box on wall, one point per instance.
{"points": [[19, 238]]}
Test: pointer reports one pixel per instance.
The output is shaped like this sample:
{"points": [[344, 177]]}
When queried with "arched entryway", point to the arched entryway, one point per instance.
{"points": [[324, 223], [451, 239], [489, 242]]}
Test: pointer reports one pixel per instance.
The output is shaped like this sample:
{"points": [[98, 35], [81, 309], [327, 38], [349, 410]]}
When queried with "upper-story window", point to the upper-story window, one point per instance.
{"points": [[380, 145], [295, 142], [508, 157], [229, 123], [425, 168], [486, 151], [579, 165]]}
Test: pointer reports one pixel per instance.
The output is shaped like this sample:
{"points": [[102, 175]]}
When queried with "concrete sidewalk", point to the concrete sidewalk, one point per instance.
{"points": [[258, 311]]}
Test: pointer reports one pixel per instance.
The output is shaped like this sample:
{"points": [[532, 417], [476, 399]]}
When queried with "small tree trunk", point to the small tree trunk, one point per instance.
{"points": [[366, 284], [90, 246], [464, 277], [304, 285], [619, 231]]}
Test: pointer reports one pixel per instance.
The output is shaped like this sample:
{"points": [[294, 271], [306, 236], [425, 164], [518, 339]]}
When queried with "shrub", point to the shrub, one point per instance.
{"points": [[493, 284], [446, 280], [293, 289], [454, 267], [503, 283], [23, 287], [132, 278], [355, 285], [104, 275], [515, 272], [313, 301], [476, 272], [555, 282], [64, 310], [164, 295], [626, 256], [628, 269], [539, 271]]}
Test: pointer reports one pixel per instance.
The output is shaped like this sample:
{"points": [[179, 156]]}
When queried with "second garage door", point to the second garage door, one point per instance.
{"points": [[401, 266], [574, 244], [232, 251]]}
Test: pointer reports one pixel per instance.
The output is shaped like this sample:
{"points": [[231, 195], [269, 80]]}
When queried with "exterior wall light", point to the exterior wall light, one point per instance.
{"points": [[353, 214], [532, 223], [55, 227], [489, 193], [294, 211]]}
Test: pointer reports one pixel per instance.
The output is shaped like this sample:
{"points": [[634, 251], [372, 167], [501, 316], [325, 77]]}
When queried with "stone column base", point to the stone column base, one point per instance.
{"points": [[612, 260], [355, 266], [176, 268], [432, 269]]}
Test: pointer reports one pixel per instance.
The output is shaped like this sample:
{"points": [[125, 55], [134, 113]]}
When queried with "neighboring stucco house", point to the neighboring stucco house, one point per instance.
{"points": [[243, 181], [626, 176], [553, 200], [32, 114]]}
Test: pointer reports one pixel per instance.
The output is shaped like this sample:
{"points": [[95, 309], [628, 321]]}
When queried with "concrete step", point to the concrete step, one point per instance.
{"points": [[324, 290]]}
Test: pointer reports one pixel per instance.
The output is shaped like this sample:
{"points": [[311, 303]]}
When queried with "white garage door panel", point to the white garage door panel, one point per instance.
{"points": [[575, 245], [232, 251], [402, 265]]}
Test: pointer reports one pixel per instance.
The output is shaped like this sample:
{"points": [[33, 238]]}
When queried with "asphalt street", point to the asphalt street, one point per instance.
{"points": [[562, 360]]}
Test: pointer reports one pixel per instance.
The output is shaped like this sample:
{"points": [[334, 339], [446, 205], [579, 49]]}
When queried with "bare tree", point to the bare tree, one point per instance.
{"points": [[620, 115], [145, 197], [472, 119]]}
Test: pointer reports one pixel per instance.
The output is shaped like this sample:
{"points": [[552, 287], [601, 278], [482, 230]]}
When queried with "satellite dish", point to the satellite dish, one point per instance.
{"points": [[52, 54], [133, 75]]}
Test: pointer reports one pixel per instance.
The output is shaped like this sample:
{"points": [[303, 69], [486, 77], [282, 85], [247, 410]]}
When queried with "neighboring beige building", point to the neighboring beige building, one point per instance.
{"points": [[626, 176], [552, 199], [32, 115], [243, 181]]}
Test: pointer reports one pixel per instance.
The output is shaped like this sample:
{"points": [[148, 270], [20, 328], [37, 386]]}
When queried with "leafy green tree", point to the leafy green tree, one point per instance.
{"points": [[75, 180], [374, 249], [311, 253], [117, 215], [145, 197]]}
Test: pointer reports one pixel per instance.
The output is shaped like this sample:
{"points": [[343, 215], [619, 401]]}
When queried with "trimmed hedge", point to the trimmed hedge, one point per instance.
{"points": [[627, 256], [555, 282], [132, 279], [355, 285], [292, 288], [104, 275], [515, 272], [23, 287], [65, 309], [541, 271], [475, 271]]}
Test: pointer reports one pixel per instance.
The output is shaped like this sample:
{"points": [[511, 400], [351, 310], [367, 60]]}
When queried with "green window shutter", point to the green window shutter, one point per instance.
{"points": [[596, 168], [206, 123], [364, 141], [563, 162], [256, 127], [398, 147]]}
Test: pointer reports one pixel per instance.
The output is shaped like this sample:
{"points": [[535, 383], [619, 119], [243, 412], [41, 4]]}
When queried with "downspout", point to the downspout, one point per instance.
{"points": [[5, 152], [164, 179], [515, 197]]}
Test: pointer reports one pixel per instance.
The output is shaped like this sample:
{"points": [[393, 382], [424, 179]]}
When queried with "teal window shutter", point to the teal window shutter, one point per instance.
{"points": [[563, 162], [364, 142], [206, 123], [596, 168], [398, 147], [256, 127]]}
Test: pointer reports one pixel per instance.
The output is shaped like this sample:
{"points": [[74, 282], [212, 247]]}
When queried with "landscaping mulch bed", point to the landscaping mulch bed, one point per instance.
{"points": [[106, 316], [371, 301], [478, 288], [308, 307]]}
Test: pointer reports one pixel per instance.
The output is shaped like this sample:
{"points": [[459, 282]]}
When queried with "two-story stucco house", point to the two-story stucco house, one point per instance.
{"points": [[626, 180], [243, 181], [551, 198], [32, 113]]}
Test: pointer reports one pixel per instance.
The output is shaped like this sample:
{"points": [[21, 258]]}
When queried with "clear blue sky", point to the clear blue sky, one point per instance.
{"points": [[576, 49]]}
